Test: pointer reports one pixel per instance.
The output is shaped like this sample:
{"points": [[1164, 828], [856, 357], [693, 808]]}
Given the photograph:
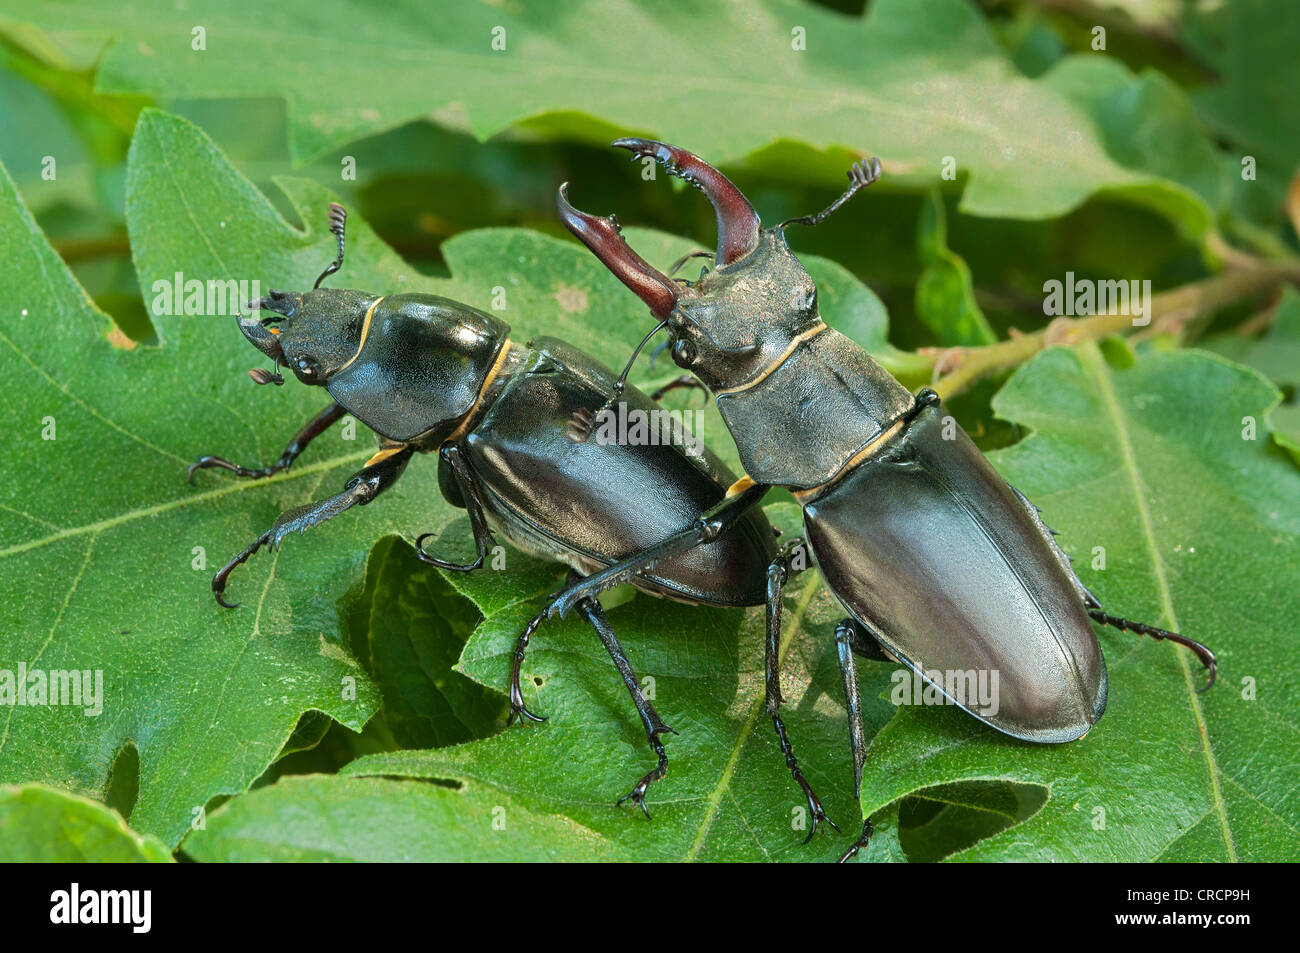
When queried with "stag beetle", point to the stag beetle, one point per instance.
{"points": [[427, 373], [940, 564]]}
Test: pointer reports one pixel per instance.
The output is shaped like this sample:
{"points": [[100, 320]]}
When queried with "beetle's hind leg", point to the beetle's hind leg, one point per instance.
{"points": [[313, 429], [654, 725], [777, 574], [863, 839], [1201, 651], [852, 638]]}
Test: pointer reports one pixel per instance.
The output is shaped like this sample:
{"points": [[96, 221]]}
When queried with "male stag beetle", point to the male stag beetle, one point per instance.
{"points": [[430, 374], [940, 564]]}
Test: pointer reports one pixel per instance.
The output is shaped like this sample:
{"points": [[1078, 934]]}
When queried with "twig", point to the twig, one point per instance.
{"points": [[1185, 304]]}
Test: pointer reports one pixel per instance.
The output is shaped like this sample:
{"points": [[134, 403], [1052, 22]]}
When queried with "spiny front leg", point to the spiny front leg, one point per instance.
{"points": [[310, 431], [364, 486]]}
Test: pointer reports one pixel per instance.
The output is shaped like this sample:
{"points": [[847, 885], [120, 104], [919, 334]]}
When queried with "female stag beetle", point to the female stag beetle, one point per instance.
{"points": [[940, 564], [430, 374]]}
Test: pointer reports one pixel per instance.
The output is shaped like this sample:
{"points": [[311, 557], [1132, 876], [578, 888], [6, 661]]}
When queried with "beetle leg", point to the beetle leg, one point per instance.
{"points": [[313, 429], [853, 638], [582, 421], [517, 707], [705, 529], [1202, 652], [654, 725], [473, 505], [680, 263], [686, 380], [777, 574], [861, 842], [364, 486], [862, 642], [846, 634]]}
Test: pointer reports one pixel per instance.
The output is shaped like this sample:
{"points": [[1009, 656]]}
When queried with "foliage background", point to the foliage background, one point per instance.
{"points": [[219, 162]]}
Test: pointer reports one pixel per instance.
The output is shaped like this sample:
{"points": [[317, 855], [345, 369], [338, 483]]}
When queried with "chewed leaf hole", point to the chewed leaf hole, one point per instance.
{"points": [[123, 785], [940, 821]]}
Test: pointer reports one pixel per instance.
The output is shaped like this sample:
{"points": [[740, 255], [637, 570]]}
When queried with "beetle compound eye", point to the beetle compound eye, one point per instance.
{"points": [[683, 353], [307, 367]]}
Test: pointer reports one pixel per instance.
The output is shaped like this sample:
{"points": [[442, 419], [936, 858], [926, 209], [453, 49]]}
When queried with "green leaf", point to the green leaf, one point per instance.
{"points": [[39, 824], [942, 820], [945, 294], [1276, 355], [914, 81], [1251, 45], [414, 643], [1144, 122], [322, 817], [102, 567], [728, 794], [104, 542], [107, 554], [1201, 534]]}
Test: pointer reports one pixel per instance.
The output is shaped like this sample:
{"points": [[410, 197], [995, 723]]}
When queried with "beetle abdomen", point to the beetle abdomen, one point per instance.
{"points": [[591, 503], [930, 548]]}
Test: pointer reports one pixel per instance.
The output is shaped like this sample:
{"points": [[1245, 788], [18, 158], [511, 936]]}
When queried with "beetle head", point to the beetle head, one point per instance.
{"points": [[414, 366], [741, 315], [315, 334]]}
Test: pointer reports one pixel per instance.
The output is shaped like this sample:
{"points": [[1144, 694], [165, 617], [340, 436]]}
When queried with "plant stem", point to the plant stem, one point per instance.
{"points": [[1187, 303]]}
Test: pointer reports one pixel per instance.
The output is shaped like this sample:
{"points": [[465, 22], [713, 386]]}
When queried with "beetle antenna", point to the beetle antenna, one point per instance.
{"points": [[861, 173], [338, 222], [583, 421]]}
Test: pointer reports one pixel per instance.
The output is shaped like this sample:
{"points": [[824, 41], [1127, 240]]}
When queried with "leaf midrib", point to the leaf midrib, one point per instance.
{"points": [[181, 502], [1093, 362]]}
